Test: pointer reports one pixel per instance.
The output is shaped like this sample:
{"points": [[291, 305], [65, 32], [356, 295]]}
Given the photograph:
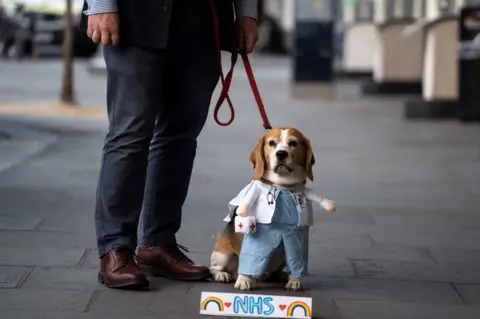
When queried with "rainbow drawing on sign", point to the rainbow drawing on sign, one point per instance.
{"points": [[301, 305], [208, 300]]}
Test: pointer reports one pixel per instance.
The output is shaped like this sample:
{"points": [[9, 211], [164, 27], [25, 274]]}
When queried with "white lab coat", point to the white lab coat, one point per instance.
{"points": [[256, 195]]}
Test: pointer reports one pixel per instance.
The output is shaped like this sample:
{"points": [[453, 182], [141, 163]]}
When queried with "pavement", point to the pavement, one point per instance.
{"points": [[403, 243]]}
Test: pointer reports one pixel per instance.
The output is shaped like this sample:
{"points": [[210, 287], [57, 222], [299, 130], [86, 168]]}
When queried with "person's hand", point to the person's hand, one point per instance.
{"points": [[247, 33], [103, 28]]}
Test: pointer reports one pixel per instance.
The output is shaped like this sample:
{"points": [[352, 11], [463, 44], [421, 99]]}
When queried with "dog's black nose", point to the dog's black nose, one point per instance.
{"points": [[281, 155]]}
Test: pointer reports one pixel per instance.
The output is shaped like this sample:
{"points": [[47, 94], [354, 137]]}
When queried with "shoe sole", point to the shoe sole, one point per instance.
{"points": [[129, 284], [158, 272]]}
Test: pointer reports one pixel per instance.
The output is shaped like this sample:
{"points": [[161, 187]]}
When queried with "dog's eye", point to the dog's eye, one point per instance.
{"points": [[272, 143], [293, 143]]}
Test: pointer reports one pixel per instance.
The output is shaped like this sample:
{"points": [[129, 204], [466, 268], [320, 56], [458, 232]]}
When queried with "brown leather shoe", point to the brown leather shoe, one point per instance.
{"points": [[119, 270], [171, 262]]}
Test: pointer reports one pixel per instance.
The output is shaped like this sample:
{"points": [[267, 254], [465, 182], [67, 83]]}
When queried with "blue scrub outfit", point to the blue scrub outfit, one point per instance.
{"points": [[257, 248]]}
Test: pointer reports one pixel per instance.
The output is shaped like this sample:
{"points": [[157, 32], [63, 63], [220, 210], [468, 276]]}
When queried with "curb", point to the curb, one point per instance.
{"points": [[19, 142]]}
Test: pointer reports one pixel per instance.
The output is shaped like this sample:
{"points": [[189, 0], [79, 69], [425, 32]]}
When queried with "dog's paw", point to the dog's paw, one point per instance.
{"points": [[294, 284], [221, 276], [244, 283]]}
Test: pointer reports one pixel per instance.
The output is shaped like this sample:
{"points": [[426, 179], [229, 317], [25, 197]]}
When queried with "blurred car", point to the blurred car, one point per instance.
{"points": [[45, 21]]}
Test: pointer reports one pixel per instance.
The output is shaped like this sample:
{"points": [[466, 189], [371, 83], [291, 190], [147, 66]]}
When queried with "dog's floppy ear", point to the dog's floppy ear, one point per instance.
{"points": [[258, 159], [310, 159]]}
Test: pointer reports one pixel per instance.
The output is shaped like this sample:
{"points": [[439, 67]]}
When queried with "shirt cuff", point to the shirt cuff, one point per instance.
{"points": [[101, 6], [246, 8]]}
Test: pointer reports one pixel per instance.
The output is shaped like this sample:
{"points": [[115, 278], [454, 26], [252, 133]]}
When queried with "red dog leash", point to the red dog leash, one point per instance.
{"points": [[227, 80]]}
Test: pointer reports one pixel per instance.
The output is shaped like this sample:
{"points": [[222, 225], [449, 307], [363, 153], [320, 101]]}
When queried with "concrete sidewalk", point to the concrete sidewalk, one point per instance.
{"points": [[19, 141], [402, 245]]}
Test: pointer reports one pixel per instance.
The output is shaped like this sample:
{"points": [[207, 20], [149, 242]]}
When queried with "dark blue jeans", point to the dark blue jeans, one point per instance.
{"points": [[158, 102]]}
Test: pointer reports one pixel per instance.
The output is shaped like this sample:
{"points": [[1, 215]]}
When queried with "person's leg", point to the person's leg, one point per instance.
{"points": [[133, 99], [191, 75]]}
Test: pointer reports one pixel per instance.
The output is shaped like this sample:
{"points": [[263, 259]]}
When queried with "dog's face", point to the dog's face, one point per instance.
{"points": [[283, 156]]}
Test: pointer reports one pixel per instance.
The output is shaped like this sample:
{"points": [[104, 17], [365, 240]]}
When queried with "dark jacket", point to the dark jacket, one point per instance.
{"points": [[145, 23]]}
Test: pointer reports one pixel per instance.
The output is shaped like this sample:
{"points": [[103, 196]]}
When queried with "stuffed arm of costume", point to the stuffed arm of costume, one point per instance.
{"points": [[327, 204], [250, 197]]}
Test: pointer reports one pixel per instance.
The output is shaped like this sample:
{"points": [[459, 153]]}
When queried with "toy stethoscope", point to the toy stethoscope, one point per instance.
{"points": [[272, 194]]}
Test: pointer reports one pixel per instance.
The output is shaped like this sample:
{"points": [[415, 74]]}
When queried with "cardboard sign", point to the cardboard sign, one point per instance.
{"points": [[249, 305]]}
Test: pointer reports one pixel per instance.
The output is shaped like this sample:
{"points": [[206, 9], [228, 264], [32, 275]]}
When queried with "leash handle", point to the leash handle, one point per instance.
{"points": [[227, 80]]}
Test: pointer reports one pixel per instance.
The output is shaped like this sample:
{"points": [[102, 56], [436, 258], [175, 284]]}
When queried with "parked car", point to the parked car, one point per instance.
{"points": [[45, 21]]}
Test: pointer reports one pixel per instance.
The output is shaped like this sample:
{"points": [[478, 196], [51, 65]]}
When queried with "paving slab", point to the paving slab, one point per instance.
{"points": [[85, 225], [455, 272], [450, 255], [470, 293], [38, 239], [366, 219], [44, 256], [467, 239], [334, 237], [59, 278], [90, 259], [13, 276], [383, 290], [441, 223], [375, 252], [16, 223], [166, 298], [43, 201], [401, 310], [44, 300], [352, 227], [330, 267], [19, 142], [63, 315]]}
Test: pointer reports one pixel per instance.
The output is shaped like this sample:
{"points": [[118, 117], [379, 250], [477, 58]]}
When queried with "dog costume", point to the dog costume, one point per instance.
{"points": [[283, 216]]}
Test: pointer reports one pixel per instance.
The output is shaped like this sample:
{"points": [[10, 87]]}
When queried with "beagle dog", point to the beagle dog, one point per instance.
{"points": [[282, 161]]}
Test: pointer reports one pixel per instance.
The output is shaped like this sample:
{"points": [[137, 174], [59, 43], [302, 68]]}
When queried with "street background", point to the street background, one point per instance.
{"points": [[403, 243]]}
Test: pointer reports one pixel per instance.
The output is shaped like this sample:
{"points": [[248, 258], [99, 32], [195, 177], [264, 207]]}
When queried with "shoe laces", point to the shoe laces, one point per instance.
{"points": [[181, 250], [127, 256]]}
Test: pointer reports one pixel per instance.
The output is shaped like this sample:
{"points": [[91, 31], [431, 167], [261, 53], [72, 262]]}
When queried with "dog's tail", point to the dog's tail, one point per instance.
{"points": [[230, 227]]}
